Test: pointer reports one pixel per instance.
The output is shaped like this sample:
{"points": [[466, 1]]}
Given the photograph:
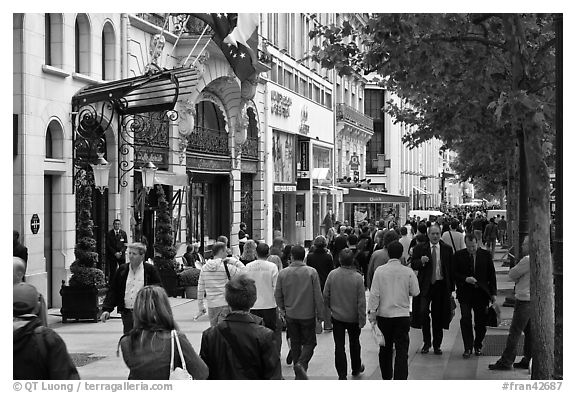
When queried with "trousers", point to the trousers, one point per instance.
{"points": [[302, 333], [339, 334], [396, 337]]}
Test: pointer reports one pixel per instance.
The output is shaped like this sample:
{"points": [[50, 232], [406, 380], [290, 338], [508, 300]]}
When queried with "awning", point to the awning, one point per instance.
{"points": [[169, 178], [421, 190], [357, 195], [333, 189], [320, 173]]}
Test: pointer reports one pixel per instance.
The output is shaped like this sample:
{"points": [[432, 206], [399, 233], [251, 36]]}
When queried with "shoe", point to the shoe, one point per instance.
{"points": [[299, 372], [328, 329], [523, 364], [289, 358], [437, 351], [425, 349], [358, 372], [499, 366], [467, 353], [477, 351], [343, 377]]}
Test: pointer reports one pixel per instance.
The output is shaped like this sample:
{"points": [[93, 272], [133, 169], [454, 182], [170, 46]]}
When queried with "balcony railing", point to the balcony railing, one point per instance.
{"points": [[250, 148], [345, 112], [206, 140], [155, 19]]}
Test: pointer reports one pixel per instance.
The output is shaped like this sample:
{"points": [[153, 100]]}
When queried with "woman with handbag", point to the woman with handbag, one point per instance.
{"points": [[154, 348]]}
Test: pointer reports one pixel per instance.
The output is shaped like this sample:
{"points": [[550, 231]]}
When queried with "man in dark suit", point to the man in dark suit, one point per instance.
{"points": [[116, 240], [18, 250], [125, 284], [433, 262], [475, 279]]}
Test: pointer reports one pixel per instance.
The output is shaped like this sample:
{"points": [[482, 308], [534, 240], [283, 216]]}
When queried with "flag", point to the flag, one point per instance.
{"points": [[237, 37]]}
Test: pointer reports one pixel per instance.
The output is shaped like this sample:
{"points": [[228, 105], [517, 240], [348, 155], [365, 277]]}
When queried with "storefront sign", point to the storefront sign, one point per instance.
{"points": [[284, 157], [303, 174], [304, 128], [35, 223], [158, 158], [280, 104], [354, 162], [284, 188], [304, 162]]}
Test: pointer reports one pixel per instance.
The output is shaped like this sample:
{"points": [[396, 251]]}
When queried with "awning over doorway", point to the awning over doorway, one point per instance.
{"points": [[169, 178], [421, 190], [358, 195]]}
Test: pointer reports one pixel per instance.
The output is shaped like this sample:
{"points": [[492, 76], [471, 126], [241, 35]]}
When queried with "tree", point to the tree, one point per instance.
{"points": [[463, 76], [163, 240]]}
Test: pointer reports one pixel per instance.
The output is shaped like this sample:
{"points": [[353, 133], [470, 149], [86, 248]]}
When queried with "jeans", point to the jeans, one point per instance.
{"points": [[396, 337], [432, 305], [520, 323], [217, 314], [339, 334], [490, 246], [302, 334], [127, 320], [479, 307]]}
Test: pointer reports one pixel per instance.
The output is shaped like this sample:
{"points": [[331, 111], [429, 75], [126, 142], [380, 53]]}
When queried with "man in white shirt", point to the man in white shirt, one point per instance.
{"points": [[389, 305], [264, 273], [214, 275], [405, 240], [453, 238], [126, 283]]}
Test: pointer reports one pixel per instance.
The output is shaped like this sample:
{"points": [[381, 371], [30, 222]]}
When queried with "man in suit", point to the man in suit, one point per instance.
{"points": [[116, 240], [125, 284], [475, 279], [433, 262]]}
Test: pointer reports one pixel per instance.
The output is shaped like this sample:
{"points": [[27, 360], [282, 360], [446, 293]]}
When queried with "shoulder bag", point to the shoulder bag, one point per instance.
{"points": [[177, 373]]}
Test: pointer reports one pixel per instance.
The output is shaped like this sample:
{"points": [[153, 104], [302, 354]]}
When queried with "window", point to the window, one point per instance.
{"points": [[252, 131], [108, 52], [82, 48], [53, 143], [48, 144], [288, 79], [53, 40], [274, 72], [210, 116], [328, 100]]}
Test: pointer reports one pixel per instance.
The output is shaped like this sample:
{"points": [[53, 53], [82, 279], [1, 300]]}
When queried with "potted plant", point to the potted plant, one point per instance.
{"points": [[188, 279], [82, 298], [164, 250]]}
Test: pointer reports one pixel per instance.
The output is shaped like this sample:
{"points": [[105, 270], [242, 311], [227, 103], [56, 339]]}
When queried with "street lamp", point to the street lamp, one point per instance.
{"points": [[148, 172], [101, 171]]}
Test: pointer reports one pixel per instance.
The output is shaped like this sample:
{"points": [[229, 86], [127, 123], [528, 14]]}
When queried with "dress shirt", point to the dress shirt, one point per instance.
{"points": [[134, 283], [391, 289]]}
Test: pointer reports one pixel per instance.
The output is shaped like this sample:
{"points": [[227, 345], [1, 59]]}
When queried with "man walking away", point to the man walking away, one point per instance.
{"points": [[345, 298], [38, 352], [213, 277], [490, 235], [454, 238], [299, 298], [520, 274], [389, 306], [265, 273], [322, 261], [475, 279]]}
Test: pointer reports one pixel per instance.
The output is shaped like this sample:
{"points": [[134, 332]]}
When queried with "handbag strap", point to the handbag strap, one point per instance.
{"points": [[226, 268], [451, 238], [231, 341], [174, 338]]}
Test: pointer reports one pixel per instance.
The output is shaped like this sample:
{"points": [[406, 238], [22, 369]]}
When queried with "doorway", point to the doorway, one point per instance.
{"points": [[48, 237]]}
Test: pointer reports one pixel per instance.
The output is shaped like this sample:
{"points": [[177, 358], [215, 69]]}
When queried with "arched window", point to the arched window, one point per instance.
{"points": [[108, 52], [54, 140], [82, 45], [210, 116], [252, 124], [53, 39]]}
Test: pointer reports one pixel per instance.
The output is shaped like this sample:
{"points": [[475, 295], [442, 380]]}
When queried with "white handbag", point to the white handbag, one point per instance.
{"points": [[178, 372]]}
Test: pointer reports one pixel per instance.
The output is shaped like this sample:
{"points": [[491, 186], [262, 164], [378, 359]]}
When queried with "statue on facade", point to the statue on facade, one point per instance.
{"points": [[155, 50]]}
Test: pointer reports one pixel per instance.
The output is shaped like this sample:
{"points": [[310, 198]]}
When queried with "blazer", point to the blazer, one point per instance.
{"points": [[115, 295], [425, 271], [484, 272], [116, 244]]}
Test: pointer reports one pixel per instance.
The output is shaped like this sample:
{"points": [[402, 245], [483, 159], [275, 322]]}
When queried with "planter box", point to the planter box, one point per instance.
{"points": [[81, 303], [169, 280], [191, 292]]}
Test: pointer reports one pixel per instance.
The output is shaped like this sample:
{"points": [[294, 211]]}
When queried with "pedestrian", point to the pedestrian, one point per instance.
{"points": [[340, 243], [520, 274], [478, 227], [239, 347], [18, 273], [502, 227], [242, 236], [346, 301], [147, 349], [249, 252], [116, 240], [475, 279], [224, 239], [299, 299], [453, 238], [322, 261], [213, 277], [328, 221], [405, 240], [193, 257], [18, 249], [125, 284], [380, 257], [264, 273], [433, 262], [277, 249], [38, 351], [389, 306], [490, 235]]}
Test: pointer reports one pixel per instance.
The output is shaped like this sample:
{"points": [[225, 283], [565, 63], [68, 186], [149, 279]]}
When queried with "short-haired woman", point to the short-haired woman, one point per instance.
{"points": [[147, 348]]}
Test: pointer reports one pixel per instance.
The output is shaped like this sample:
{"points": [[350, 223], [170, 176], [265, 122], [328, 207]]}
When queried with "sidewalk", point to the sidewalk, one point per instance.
{"points": [[94, 346]]}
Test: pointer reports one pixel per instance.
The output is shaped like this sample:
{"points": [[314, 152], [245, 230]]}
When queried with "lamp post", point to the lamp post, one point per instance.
{"points": [[148, 172], [101, 171]]}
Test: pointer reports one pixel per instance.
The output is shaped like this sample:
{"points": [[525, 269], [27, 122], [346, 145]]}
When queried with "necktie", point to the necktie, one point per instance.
{"points": [[434, 265]]}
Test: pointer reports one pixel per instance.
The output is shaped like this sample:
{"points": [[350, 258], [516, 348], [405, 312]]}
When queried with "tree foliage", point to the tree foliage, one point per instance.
{"points": [[163, 241]]}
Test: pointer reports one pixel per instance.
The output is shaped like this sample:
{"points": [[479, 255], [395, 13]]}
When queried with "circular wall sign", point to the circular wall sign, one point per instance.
{"points": [[35, 223]]}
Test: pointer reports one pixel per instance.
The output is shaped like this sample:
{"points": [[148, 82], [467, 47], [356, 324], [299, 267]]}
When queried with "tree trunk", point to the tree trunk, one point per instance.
{"points": [[512, 208], [541, 282]]}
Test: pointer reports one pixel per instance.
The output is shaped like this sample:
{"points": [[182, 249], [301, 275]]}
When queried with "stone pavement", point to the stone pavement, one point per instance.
{"points": [[95, 344]]}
